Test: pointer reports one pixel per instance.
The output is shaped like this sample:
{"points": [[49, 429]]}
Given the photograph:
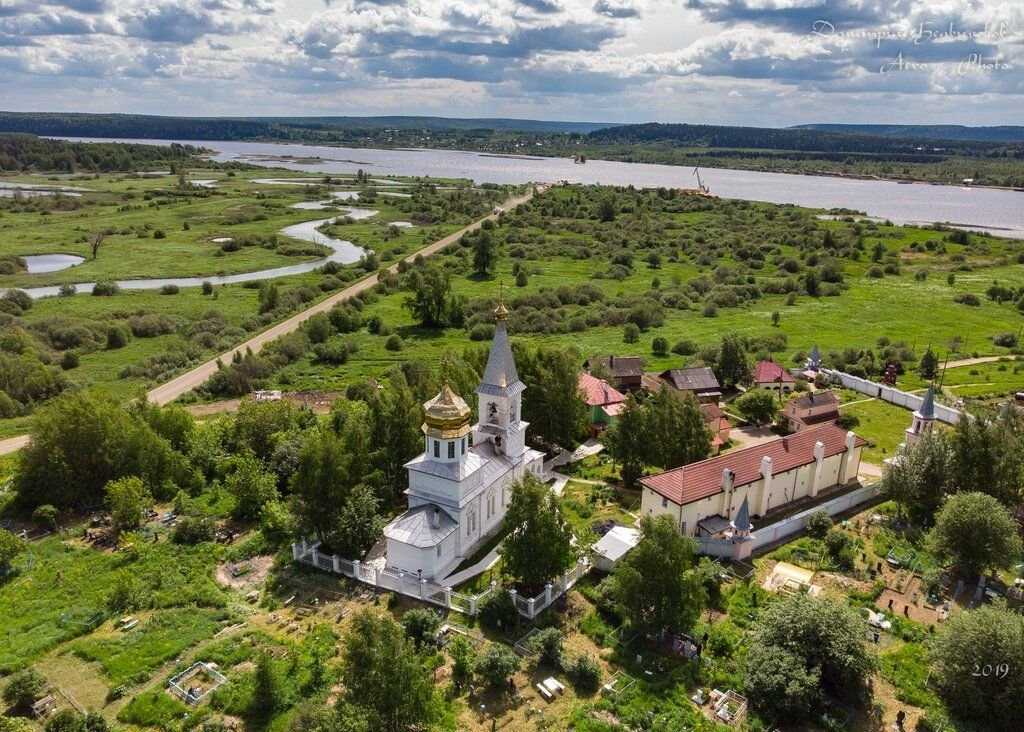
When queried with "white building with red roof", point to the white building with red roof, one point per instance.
{"points": [[704, 497], [770, 375]]}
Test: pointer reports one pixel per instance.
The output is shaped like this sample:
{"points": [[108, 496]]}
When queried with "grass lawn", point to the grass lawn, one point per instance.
{"points": [[131, 657], [882, 424]]}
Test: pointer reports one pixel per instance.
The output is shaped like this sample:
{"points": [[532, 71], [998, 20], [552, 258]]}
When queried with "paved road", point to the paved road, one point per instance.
{"points": [[166, 393]]}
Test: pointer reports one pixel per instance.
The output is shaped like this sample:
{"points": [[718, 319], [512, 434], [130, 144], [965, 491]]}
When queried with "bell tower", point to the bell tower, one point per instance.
{"points": [[500, 396]]}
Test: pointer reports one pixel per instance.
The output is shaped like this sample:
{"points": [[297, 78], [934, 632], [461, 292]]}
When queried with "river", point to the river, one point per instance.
{"points": [[997, 211]]}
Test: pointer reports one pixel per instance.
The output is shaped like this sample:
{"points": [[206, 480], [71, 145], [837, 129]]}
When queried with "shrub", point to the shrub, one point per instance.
{"points": [[69, 360], [522, 279], [968, 298], [394, 343], [67, 290], [420, 626], [685, 348], [818, 524], [497, 611], [24, 688], [169, 289], [548, 644], [193, 530], [207, 288], [105, 289], [117, 337], [20, 298], [497, 665], [46, 516], [586, 674], [1006, 340], [659, 346], [630, 333]]}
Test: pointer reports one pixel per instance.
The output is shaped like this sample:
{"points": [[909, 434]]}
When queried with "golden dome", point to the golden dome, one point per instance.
{"points": [[501, 312], [447, 415]]}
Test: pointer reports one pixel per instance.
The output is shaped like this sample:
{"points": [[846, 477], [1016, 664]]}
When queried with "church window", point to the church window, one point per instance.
{"points": [[463, 445], [438, 550], [492, 411], [437, 449], [451, 450]]}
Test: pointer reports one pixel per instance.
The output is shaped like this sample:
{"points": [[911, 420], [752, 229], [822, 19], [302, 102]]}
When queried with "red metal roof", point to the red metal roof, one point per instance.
{"points": [[697, 481], [598, 392], [769, 371]]}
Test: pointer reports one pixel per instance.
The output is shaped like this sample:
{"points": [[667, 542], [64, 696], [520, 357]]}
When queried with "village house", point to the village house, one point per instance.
{"points": [[460, 487], [770, 375], [704, 498], [813, 408], [605, 401], [700, 381], [718, 425], [625, 373]]}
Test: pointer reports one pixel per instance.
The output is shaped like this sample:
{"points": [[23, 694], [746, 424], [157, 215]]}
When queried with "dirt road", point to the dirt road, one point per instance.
{"points": [[168, 392]]}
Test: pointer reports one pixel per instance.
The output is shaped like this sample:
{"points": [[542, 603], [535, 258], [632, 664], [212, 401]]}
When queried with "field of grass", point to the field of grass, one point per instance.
{"points": [[188, 220], [584, 504], [131, 657], [898, 307], [61, 590]]}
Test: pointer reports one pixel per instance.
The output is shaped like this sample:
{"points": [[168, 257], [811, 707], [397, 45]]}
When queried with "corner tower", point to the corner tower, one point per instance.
{"points": [[500, 396]]}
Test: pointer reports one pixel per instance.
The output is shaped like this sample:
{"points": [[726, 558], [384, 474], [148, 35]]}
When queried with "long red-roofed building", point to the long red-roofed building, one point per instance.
{"points": [[703, 497]]}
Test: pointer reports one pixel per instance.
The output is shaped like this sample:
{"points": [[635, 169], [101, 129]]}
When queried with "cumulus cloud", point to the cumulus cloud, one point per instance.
{"points": [[525, 53]]}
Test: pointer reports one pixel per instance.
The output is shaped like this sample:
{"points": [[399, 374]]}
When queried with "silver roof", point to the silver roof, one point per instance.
{"points": [[415, 526], [456, 470], [500, 371], [618, 541]]}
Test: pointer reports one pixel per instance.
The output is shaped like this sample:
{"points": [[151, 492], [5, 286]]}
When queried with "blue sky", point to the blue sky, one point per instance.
{"points": [[757, 62]]}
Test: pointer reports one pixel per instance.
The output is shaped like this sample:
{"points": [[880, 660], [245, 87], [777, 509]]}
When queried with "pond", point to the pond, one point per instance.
{"points": [[39, 263]]}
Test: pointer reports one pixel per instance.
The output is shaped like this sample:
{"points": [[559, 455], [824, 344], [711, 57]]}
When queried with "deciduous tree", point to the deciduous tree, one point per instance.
{"points": [[804, 649], [977, 666], [384, 676], [127, 500], [656, 585], [976, 533], [538, 547]]}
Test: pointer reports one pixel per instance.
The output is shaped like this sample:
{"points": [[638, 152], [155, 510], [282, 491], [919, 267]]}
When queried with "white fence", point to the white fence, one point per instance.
{"points": [[891, 395], [412, 585], [772, 533]]}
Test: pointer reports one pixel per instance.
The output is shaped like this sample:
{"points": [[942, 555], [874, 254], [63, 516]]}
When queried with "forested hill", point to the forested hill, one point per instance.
{"points": [[27, 152], [328, 129], [764, 138], [1004, 133]]}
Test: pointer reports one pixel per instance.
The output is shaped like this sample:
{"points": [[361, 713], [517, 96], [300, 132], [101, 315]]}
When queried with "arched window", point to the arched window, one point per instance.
{"points": [[437, 449], [492, 412], [451, 449]]}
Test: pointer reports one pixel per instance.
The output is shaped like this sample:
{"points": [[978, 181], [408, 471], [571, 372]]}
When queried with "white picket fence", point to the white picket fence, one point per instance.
{"points": [[412, 585], [891, 395]]}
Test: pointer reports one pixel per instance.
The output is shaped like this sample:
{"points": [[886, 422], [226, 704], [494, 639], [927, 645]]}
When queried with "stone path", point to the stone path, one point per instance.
{"points": [[469, 573]]}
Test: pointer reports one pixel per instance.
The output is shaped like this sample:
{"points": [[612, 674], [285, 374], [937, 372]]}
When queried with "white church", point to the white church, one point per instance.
{"points": [[460, 487]]}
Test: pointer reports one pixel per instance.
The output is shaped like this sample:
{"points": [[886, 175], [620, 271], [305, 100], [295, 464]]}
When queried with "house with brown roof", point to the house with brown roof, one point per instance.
{"points": [[624, 372], [770, 375], [605, 401], [718, 425], [699, 381], [813, 408], [705, 497]]}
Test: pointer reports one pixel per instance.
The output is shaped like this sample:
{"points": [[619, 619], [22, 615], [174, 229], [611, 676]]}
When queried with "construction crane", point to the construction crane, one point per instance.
{"points": [[700, 184]]}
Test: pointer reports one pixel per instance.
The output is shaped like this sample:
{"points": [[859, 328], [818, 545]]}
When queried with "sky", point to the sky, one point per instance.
{"points": [[750, 62]]}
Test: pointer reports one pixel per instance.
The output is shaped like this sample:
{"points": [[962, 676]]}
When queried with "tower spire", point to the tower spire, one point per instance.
{"points": [[500, 312]]}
